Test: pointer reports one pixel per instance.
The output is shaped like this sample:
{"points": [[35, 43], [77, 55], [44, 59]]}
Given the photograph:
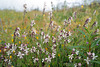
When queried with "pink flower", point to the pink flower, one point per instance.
{"points": [[23, 35], [79, 64], [89, 53]]}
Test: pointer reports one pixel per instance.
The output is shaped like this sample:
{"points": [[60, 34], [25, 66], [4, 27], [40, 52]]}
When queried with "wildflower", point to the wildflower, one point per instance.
{"points": [[5, 60], [32, 23], [94, 24], [62, 45], [75, 65], [58, 28], [87, 60], [5, 43], [12, 35], [94, 12], [16, 33], [49, 66], [14, 47], [9, 52], [38, 52], [43, 15], [34, 49], [54, 51], [20, 54], [21, 47], [79, 64], [12, 40], [73, 49], [24, 27], [87, 42], [79, 57], [46, 48], [53, 55], [8, 45], [70, 56], [9, 62], [10, 57], [4, 49], [69, 40], [69, 33], [84, 36], [13, 51], [77, 52], [59, 55], [46, 38], [23, 35], [82, 6], [89, 53], [93, 55], [36, 60], [19, 42], [26, 50], [97, 44], [37, 38], [42, 60], [0, 51], [48, 59]]}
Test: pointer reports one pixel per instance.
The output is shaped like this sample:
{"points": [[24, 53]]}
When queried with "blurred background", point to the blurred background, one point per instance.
{"points": [[39, 4]]}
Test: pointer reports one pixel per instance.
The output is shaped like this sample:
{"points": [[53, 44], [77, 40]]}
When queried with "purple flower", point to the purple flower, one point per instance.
{"points": [[5, 46], [97, 44], [5, 43], [23, 35], [87, 42]]}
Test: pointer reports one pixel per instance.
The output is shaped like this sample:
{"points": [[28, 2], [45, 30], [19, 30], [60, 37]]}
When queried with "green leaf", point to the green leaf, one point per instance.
{"points": [[98, 62], [95, 42], [79, 46], [82, 33], [86, 29]]}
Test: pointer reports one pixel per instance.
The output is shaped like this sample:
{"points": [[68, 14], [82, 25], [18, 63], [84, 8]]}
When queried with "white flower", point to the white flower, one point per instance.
{"points": [[42, 60], [9, 62], [31, 50], [94, 57], [90, 19], [9, 52], [5, 60], [32, 23], [20, 55], [26, 50], [87, 60], [14, 47], [8, 45], [48, 59], [47, 52], [36, 59], [34, 49], [70, 56], [70, 33], [77, 52], [53, 55], [69, 40], [54, 50], [21, 47], [33, 30], [38, 52], [75, 65], [79, 57]]}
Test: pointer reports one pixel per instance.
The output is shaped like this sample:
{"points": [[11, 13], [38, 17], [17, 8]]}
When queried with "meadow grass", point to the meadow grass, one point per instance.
{"points": [[38, 41]]}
